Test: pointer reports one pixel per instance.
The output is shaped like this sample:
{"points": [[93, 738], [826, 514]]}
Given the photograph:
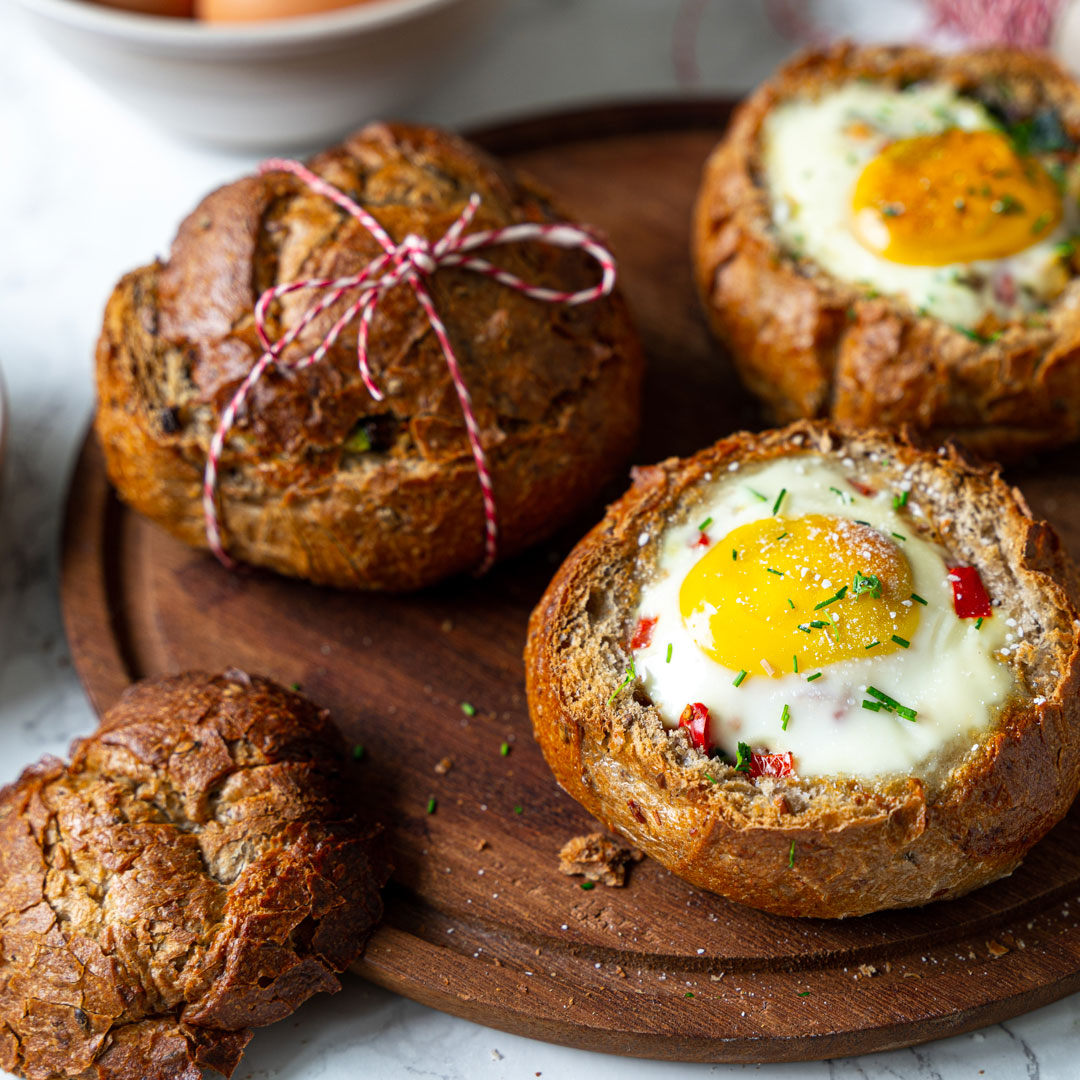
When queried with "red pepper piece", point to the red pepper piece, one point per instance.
{"points": [[771, 764], [695, 718], [862, 489], [969, 594], [642, 638], [702, 540]]}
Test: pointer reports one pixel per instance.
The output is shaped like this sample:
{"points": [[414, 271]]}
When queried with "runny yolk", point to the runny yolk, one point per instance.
{"points": [[768, 601], [955, 197]]}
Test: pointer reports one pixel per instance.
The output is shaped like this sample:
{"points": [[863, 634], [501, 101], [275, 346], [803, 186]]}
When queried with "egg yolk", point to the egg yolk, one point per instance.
{"points": [[955, 197], [798, 593]]}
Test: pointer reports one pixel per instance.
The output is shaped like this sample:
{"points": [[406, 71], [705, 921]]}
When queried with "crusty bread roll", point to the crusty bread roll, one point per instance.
{"points": [[195, 871], [811, 344], [319, 480], [824, 845]]}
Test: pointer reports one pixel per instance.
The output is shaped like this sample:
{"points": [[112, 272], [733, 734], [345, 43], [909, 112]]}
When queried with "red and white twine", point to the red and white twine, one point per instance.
{"points": [[410, 262]]}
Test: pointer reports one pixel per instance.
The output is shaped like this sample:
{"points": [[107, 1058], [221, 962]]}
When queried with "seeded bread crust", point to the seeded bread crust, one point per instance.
{"points": [[556, 389], [194, 872], [861, 845], [810, 345]]}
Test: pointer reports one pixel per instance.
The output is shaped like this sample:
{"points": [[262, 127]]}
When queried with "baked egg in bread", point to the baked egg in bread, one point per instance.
{"points": [[794, 599], [921, 193], [816, 671], [887, 236]]}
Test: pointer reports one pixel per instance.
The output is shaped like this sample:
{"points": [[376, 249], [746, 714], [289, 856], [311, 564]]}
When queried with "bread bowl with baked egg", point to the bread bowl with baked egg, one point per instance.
{"points": [[821, 673], [887, 236]]}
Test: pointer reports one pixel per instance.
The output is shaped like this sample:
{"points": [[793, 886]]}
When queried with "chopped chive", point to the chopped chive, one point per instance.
{"points": [[357, 752], [782, 535], [689, 994], [630, 673], [804, 629], [712, 779], [739, 678], [742, 759], [1039, 224], [785, 716], [859, 521], [817, 624], [467, 709], [872, 644], [779, 500], [734, 554], [892, 703], [505, 749], [811, 678], [900, 536], [873, 706], [844, 496], [757, 494], [431, 804], [295, 686], [838, 595], [705, 524], [587, 885], [519, 809], [918, 599], [668, 659], [791, 603], [778, 573], [978, 623], [791, 855], [795, 663], [902, 642], [900, 501], [804, 993]]}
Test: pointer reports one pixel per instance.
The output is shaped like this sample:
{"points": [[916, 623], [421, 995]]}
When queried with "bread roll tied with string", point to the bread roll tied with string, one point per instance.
{"points": [[386, 407]]}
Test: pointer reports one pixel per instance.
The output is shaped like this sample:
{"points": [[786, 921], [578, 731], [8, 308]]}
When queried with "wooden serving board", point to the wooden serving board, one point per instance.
{"points": [[479, 921]]}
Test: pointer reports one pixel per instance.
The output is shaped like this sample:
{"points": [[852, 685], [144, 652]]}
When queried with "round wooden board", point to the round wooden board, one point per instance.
{"points": [[480, 922]]}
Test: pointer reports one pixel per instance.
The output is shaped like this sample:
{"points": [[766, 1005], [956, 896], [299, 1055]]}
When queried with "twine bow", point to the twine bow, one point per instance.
{"points": [[410, 262]]}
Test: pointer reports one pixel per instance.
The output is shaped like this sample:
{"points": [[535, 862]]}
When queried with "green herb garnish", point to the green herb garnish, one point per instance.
{"points": [[838, 595], [587, 885], [467, 709], [359, 440], [844, 496], [872, 644], [978, 623], [795, 663], [779, 500], [902, 642], [785, 716], [739, 678], [899, 536], [778, 573], [357, 752], [734, 554], [705, 524], [782, 535], [791, 603], [817, 624], [918, 599], [743, 758], [630, 673], [866, 583], [668, 658], [891, 703], [519, 809], [873, 706], [1007, 204], [504, 749], [811, 678], [900, 501], [1039, 224], [791, 855], [758, 495], [431, 804]]}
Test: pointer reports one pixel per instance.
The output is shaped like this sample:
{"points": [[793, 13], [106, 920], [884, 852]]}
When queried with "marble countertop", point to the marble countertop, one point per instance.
{"points": [[88, 190]]}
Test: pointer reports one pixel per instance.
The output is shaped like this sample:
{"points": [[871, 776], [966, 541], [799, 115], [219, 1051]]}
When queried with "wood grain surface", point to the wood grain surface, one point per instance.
{"points": [[480, 922]]}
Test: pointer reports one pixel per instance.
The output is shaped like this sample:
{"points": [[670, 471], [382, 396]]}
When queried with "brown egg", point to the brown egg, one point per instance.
{"points": [[177, 9], [255, 10]]}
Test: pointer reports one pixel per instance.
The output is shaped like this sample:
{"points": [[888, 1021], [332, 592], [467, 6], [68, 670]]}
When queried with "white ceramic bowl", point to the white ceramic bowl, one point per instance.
{"points": [[268, 85]]}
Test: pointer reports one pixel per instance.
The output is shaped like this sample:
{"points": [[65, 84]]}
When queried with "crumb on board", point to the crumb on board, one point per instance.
{"points": [[597, 857], [443, 766], [481, 844]]}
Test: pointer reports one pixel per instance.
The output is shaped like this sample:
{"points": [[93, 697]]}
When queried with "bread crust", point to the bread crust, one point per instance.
{"points": [[194, 872], [810, 345], [860, 845], [555, 389]]}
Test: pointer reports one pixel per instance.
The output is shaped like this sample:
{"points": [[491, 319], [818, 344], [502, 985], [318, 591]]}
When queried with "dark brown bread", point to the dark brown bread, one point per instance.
{"points": [[556, 389], [860, 845], [194, 872], [811, 345]]}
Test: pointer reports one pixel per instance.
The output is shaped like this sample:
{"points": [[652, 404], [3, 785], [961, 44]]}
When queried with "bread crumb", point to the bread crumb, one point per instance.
{"points": [[446, 626], [996, 949], [597, 857], [444, 766], [481, 844], [868, 970]]}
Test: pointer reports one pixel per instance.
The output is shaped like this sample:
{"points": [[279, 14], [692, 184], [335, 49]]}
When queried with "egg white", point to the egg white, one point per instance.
{"points": [[952, 674], [811, 167]]}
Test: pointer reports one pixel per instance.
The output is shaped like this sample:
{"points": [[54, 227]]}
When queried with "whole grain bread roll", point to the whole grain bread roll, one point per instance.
{"points": [[319, 480], [195, 871], [812, 345], [822, 845]]}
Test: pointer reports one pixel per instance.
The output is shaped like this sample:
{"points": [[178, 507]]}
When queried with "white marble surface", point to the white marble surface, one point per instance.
{"points": [[88, 191]]}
